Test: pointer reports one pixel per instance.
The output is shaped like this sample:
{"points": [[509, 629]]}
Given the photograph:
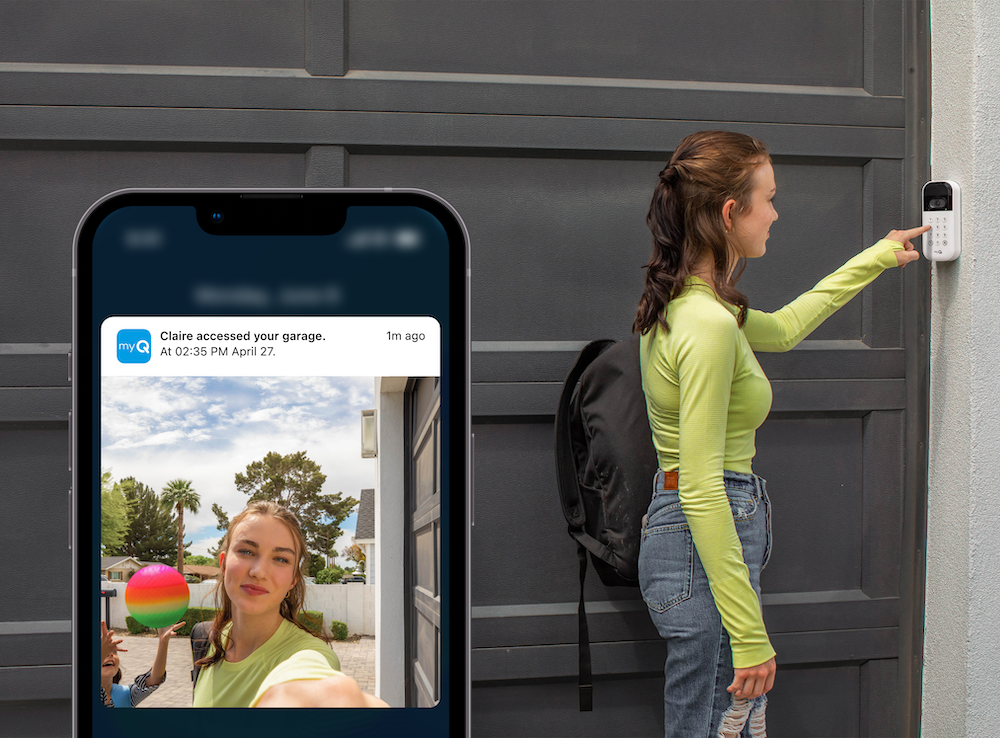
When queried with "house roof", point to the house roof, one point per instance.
{"points": [[108, 562], [366, 516], [200, 570]]}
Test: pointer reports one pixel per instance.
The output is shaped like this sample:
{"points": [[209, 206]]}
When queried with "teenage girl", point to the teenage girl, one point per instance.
{"points": [[707, 533], [260, 655]]}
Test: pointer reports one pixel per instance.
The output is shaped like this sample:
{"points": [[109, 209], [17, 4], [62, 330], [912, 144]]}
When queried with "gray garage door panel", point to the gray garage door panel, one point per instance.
{"points": [[35, 649], [34, 467], [708, 40], [39, 718], [833, 701], [627, 707], [218, 33], [18, 368]]}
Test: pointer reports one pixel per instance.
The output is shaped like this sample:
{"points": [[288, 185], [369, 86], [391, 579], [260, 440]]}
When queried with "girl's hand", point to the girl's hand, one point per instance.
{"points": [[751, 683], [908, 253], [166, 634], [108, 644], [159, 670]]}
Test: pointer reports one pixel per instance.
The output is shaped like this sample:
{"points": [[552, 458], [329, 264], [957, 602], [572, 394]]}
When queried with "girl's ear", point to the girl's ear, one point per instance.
{"points": [[728, 210]]}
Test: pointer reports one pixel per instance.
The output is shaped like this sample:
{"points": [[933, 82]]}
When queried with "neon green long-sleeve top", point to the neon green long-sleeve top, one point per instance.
{"points": [[706, 396]]}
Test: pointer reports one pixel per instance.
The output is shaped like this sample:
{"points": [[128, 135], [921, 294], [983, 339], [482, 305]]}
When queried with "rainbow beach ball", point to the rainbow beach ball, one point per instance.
{"points": [[157, 596]]}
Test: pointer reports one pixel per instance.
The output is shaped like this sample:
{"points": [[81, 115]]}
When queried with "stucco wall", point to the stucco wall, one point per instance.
{"points": [[390, 524], [962, 628]]}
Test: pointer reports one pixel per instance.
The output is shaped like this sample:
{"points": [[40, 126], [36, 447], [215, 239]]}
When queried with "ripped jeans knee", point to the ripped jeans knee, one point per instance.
{"points": [[744, 714]]}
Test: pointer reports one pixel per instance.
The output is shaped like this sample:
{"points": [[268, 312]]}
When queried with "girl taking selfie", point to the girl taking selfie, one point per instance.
{"points": [[260, 654], [707, 533]]}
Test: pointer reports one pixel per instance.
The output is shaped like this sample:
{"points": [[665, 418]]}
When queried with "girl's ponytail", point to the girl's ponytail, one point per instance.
{"points": [[685, 217], [664, 279]]}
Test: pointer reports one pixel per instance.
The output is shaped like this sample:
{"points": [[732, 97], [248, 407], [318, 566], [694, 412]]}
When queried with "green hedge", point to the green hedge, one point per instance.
{"points": [[339, 630], [313, 621], [134, 626]]}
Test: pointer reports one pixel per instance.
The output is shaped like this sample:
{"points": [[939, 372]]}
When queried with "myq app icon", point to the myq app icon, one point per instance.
{"points": [[133, 346]]}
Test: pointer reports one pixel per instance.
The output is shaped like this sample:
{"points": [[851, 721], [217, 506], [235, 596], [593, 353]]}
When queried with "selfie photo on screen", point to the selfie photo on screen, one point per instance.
{"points": [[202, 467]]}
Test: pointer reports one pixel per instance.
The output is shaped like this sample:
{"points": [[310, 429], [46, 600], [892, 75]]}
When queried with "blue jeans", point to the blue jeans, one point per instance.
{"points": [[699, 663]]}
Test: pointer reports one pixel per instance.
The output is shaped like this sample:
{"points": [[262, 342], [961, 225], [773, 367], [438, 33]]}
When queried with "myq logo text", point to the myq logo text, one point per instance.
{"points": [[133, 346]]}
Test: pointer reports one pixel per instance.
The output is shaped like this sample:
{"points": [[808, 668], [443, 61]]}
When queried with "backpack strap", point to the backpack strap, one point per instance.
{"points": [[585, 680], [572, 504], [200, 635]]}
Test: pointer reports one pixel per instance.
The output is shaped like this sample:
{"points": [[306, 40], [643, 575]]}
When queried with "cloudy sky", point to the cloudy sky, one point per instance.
{"points": [[206, 429]]}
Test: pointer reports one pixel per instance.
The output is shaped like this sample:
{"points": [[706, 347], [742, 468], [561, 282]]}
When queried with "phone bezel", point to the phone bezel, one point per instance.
{"points": [[461, 399]]}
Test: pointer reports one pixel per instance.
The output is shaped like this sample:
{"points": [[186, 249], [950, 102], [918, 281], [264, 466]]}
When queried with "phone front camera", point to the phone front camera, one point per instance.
{"points": [[217, 216]]}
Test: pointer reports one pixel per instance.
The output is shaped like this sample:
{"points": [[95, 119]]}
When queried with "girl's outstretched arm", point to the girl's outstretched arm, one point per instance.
{"points": [[784, 328], [334, 691], [159, 669]]}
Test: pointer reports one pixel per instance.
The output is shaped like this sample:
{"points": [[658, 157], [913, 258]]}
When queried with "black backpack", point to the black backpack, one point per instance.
{"points": [[605, 462]]}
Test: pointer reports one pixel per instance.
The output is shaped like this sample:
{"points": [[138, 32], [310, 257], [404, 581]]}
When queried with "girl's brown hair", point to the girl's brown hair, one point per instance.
{"points": [[290, 607], [707, 169]]}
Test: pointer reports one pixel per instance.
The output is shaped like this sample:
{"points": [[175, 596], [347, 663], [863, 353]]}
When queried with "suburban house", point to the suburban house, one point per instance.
{"points": [[120, 568], [364, 535], [204, 573]]}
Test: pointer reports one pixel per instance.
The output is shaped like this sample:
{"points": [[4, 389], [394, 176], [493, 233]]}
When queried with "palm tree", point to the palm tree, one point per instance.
{"points": [[180, 495]]}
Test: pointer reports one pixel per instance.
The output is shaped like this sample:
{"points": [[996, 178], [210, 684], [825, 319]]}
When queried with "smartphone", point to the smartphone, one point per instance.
{"points": [[310, 348]]}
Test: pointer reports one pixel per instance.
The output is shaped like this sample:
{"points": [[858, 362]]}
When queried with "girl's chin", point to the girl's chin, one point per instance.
{"points": [[249, 605]]}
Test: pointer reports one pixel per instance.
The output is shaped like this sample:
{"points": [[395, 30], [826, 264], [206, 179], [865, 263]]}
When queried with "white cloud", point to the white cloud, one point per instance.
{"points": [[201, 546], [159, 439]]}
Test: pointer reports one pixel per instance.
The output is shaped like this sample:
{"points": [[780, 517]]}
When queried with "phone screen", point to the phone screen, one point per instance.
{"points": [[302, 349]]}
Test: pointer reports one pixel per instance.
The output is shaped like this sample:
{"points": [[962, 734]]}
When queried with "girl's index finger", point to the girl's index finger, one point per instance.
{"points": [[913, 232]]}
